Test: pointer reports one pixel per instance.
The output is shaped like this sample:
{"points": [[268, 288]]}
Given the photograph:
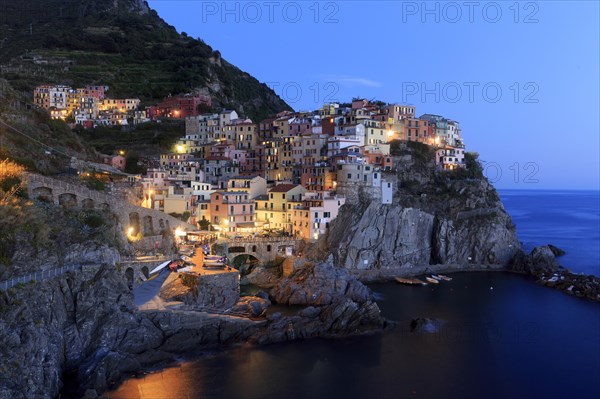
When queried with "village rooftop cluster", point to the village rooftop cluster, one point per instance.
{"points": [[288, 174], [90, 106]]}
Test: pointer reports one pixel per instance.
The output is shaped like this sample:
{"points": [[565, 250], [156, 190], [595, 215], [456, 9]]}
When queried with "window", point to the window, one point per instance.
{"points": [[327, 214], [271, 195], [349, 175], [217, 208]]}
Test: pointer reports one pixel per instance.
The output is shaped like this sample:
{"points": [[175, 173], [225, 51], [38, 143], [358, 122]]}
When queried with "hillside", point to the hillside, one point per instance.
{"points": [[123, 44]]}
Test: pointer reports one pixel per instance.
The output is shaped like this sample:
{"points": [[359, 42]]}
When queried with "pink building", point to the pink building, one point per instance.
{"points": [[231, 210], [118, 162], [98, 92]]}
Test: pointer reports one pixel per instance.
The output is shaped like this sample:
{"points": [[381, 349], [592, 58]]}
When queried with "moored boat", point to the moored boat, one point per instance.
{"points": [[432, 280], [410, 281], [446, 278]]}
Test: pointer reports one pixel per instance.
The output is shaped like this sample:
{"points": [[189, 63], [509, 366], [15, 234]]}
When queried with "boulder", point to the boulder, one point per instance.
{"points": [[251, 306], [556, 251], [319, 285], [540, 260], [261, 277], [425, 325]]}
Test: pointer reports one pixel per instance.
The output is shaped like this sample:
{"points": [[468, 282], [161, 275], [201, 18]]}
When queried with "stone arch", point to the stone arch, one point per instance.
{"points": [[88, 203], [148, 227], [129, 276], [43, 193], [145, 272], [134, 223], [254, 248], [243, 259], [68, 200], [236, 250]]}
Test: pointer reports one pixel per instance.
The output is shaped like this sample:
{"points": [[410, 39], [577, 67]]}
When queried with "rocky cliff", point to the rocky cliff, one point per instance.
{"points": [[85, 328], [436, 219]]}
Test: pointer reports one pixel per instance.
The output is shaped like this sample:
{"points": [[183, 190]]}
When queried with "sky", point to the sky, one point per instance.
{"points": [[522, 78]]}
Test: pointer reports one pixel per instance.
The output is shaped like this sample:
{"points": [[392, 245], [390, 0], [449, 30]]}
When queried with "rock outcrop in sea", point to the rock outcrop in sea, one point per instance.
{"points": [[541, 263]]}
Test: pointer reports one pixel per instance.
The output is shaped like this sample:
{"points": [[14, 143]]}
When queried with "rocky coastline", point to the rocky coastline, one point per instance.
{"points": [[85, 325], [542, 263]]}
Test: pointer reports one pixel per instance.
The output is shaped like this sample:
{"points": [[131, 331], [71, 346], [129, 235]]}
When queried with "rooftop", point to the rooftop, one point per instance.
{"points": [[283, 188]]}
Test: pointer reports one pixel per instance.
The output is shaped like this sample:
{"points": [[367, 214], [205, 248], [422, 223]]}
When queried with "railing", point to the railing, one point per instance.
{"points": [[258, 239], [38, 276]]}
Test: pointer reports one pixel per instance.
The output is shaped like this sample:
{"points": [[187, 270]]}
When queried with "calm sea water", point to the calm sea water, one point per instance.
{"points": [[567, 219], [503, 336]]}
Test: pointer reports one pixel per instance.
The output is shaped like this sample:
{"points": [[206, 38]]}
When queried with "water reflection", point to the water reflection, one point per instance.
{"points": [[517, 340]]}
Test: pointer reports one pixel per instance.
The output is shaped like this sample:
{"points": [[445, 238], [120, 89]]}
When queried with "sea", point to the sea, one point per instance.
{"points": [[499, 336]]}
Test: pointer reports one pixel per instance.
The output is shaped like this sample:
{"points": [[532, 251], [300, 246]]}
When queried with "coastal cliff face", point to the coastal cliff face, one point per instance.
{"points": [[85, 327], [66, 324], [435, 219]]}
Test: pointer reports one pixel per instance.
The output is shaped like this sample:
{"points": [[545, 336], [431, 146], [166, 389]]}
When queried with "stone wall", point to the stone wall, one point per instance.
{"points": [[148, 221], [218, 291]]}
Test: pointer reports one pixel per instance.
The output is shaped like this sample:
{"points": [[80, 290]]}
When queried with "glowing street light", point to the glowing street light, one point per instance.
{"points": [[180, 149]]}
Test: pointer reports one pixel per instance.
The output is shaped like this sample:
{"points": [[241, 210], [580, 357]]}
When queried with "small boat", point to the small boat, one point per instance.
{"points": [[160, 267], [432, 280], [410, 281], [446, 278], [435, 276]]}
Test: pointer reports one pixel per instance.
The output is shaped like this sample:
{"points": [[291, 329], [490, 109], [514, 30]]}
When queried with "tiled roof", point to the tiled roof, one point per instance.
{"points": [[283, 188]]}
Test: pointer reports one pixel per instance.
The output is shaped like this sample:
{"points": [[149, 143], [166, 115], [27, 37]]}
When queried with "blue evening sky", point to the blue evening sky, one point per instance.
{"points": [[522, 78]]}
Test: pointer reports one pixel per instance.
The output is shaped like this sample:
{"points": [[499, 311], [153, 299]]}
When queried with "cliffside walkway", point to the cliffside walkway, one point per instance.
{"points": [[38, 276], [135, 263]]}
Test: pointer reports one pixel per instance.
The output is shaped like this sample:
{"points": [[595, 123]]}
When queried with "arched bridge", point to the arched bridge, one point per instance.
{"points": [[149, 222], [264, 249]]}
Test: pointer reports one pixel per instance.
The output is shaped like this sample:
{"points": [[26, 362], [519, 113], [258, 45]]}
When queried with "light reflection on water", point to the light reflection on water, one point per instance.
{"points": [[516, 340], [509, 341]]}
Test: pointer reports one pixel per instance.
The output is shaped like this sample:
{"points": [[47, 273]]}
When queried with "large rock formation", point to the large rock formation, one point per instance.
{"points": [[433, 220], [319, 285], [337, 305], [67, 324]]}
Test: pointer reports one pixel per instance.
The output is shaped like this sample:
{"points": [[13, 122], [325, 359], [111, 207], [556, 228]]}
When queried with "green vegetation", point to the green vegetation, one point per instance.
{"points": [[149, 139], [205, 225], [122, 45], [473, 169], [181, 216]]}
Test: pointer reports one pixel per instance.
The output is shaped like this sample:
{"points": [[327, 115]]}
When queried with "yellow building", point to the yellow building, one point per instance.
{"points": [[275, 208]]}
